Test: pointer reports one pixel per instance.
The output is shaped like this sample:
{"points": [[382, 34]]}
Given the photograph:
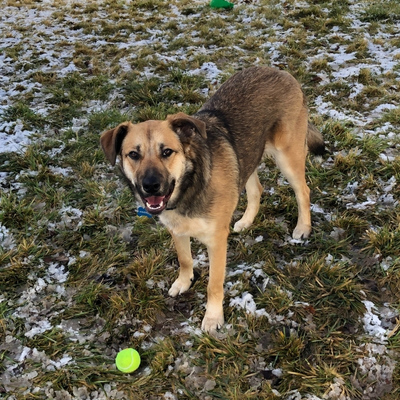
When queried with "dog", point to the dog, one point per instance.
{"points": [[190, 170]]}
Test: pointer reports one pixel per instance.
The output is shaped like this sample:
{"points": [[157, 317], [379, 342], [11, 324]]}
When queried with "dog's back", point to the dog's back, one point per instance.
{"points": [[254, 106]]}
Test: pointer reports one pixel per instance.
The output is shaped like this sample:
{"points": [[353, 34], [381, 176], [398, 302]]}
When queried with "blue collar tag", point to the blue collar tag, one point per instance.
{"points": [[141, 212]]}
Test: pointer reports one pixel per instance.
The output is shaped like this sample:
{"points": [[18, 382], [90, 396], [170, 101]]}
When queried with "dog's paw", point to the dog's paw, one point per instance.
{"points": [[301, 232], [180, 286], [241, 225], [211, 322]]}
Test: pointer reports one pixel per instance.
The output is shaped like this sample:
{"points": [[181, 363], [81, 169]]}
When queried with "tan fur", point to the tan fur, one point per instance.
{"points": [[190, 170]]}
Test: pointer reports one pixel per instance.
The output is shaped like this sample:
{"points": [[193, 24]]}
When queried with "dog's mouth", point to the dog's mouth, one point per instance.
{"points": [[156, 204]]}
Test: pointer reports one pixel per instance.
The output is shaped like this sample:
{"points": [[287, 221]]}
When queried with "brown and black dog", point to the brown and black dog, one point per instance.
{"points": [[190, 170]]}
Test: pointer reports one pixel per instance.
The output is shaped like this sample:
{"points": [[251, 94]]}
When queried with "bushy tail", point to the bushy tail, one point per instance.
{"points": [[315, 141]]}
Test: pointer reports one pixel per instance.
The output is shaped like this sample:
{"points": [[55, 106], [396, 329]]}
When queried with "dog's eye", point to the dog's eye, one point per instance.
{"points": [[167, 152], [134, 155]]}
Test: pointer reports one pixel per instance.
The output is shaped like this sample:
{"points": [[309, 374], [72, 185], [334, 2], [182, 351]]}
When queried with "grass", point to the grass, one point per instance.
{"points": [[82, 276]]}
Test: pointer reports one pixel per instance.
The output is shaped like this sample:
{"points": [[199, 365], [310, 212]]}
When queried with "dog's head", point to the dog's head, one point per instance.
{"points": [[154, 156]]}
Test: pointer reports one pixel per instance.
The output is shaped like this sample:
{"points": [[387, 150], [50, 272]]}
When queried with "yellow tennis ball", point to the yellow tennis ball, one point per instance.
{"points": [[127, 360]]}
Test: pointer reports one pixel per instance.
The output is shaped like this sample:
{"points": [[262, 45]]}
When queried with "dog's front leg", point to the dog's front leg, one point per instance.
{"points": [[185, 277], [214, 316]]}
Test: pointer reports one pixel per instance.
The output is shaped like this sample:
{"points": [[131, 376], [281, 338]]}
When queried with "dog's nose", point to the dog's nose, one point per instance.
{"points": [[151, 184]]}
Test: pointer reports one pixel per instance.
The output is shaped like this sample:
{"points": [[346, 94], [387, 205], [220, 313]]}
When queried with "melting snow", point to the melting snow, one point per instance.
{"points": [[372, 323], [13, 137]]}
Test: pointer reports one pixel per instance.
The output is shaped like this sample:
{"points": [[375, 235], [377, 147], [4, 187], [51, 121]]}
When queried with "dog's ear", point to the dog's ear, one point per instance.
{"points": [[111, 141], [187, 126]]}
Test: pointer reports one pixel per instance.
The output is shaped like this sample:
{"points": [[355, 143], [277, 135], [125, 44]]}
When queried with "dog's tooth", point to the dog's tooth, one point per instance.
{"points": [[155, 206]]}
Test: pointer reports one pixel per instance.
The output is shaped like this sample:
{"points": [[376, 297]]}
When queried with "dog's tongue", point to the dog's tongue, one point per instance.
{"points": [[154, 200]]}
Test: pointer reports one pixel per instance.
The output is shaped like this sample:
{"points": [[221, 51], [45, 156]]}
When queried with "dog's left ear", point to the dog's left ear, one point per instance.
{"points": [[186, 125], [111, 141]]}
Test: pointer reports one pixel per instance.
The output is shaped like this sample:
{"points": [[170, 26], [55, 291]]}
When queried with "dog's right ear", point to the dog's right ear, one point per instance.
{"points": [[111, 141]]}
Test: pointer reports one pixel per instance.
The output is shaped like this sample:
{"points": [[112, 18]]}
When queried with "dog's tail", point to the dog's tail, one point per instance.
{"points": [[315, 141]]}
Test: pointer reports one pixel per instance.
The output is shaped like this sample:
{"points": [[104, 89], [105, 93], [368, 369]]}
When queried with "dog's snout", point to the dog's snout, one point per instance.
{"points": [[151, 184]]}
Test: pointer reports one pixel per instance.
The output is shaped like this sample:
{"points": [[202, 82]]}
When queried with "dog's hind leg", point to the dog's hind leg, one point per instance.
{"points": [[185, 277], [291, 162], [253, 191]]}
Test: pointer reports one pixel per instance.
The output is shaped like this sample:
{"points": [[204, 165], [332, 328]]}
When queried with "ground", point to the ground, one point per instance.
{"points": [[83, 276]]}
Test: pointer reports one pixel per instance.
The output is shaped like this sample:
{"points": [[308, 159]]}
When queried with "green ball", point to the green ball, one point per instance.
{"points": [[127, 360]]}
